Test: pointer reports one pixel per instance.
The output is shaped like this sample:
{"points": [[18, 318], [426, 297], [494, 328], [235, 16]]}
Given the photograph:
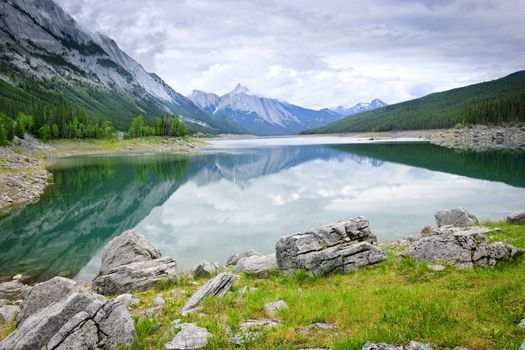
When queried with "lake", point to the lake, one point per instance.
{"points": [[242, 194]]}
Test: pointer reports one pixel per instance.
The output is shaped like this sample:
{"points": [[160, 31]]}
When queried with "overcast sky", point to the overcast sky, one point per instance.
{"points": [[315, 53]]}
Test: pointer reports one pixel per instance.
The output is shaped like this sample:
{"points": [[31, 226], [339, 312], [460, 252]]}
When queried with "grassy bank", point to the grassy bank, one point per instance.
{"points": [[394, 302]]}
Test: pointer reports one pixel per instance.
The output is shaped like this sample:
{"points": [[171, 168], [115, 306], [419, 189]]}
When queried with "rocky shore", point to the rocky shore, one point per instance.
{"points": [[61, 314], [481, 138], [23, 174]]}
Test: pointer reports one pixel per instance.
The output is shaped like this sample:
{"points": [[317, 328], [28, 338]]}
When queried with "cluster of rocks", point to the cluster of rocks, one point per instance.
{"points": [[481, 137], [458, 243], [61, 314], [25, 176]]}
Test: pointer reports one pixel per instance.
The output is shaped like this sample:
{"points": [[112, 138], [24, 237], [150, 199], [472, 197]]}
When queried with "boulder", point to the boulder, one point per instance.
{"points": [[72, 318], [190, 337], [217, 286], [129, 247], [8, 312], [104, 324], [457, 217], [135, 277], [518, 217], [257, 264], [46, 293], [13, 290], [204, 269], [232, 260], [273, 307], [341, 247], [463, 248]]}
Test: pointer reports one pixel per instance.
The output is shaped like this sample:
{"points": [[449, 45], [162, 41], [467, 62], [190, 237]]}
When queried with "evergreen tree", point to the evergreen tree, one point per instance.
{"points": [[3, 136]]}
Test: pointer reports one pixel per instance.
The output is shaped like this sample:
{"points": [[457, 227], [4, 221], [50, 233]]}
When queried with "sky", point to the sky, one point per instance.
{"points": [[314, 53]]}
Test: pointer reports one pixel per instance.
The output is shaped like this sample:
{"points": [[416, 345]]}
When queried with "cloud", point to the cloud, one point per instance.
{"points": [[315, 54]]}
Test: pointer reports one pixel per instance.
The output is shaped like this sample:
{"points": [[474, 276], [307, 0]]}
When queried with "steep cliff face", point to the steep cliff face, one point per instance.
{"points": [[39, 41]]}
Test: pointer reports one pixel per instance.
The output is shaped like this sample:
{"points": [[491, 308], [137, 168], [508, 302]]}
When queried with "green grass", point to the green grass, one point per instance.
{"points": [[394, 302]]}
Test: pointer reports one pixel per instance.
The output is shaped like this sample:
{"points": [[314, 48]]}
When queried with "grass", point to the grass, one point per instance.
{"points": [[394, 302]]}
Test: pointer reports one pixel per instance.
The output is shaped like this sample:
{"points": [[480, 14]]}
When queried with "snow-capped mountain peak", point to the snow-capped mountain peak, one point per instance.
{"points": [[359, 108], [240, 90]]}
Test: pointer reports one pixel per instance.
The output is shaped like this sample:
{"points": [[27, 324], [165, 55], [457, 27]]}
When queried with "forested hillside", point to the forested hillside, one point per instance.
{"points": [[496, 102]]}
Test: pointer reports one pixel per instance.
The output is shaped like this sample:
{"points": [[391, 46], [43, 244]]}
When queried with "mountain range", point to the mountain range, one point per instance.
{"points": [[47, 58], [266, 116]]}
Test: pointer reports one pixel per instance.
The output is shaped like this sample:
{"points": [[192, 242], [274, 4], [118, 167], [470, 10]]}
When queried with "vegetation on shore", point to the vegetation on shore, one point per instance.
{"points": [[394, 302], [497, 102]]}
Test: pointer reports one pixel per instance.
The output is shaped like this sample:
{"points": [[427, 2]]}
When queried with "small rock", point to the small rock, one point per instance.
{"points": [[13, 290], [159, 302], [17, 277], [516, 217], [242, 291], [251, 330], [522, 347], [458, 217], [319, 326], [427, 230], [522, 323], [415, 345], [190, 337], [204, 269], [127, 299], [272, 308], [232, 260], [436, 267], [8, 312], [257, 264], [217, 286], [380, 346]]}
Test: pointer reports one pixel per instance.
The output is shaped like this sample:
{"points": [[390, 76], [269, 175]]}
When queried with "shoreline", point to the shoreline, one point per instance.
{"points": [[24, 177]]}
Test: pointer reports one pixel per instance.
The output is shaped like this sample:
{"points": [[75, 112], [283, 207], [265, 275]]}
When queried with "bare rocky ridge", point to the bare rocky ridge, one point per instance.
{"points": [[481, 138]]}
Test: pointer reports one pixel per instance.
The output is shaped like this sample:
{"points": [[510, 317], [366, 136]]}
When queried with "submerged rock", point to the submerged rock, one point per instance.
{"points": [[458, 217], [60, 314], [257, 264], [130, 263], [215, 287], [13, 290], [342, 247], [463, 248], [204, 269], [190, 337], [232, 260], [517, 217]]}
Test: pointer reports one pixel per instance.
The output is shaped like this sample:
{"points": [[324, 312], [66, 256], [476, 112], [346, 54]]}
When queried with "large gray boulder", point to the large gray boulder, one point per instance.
{"points": [[461, 247], [232, 260], [516, 217], [46, 293], [129, 247], [130, 263], [217, 286], [13, 290], [103, 324], [340, 247], [257, 264], [190, 337], [458, 217], [135, 277], [74, 318]]}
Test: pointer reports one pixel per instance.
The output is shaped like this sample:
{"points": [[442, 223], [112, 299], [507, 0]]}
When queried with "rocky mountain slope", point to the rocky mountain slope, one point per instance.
{"points": [[43, 49], [359, 108]]}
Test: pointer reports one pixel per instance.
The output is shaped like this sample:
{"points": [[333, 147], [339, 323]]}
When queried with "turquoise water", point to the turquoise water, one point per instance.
{"points": [[246, 194]]}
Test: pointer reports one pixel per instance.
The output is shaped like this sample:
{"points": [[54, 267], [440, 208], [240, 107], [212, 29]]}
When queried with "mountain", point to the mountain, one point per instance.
{"points": [[494, 102], [359, 108], [260, 115], [45, 57]]}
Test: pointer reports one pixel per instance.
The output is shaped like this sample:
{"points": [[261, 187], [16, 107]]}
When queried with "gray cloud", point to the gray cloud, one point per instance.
{"points": [[314, 53]]}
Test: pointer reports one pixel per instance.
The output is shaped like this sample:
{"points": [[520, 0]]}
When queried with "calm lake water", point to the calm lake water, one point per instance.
{"points": [[246, 194]]}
